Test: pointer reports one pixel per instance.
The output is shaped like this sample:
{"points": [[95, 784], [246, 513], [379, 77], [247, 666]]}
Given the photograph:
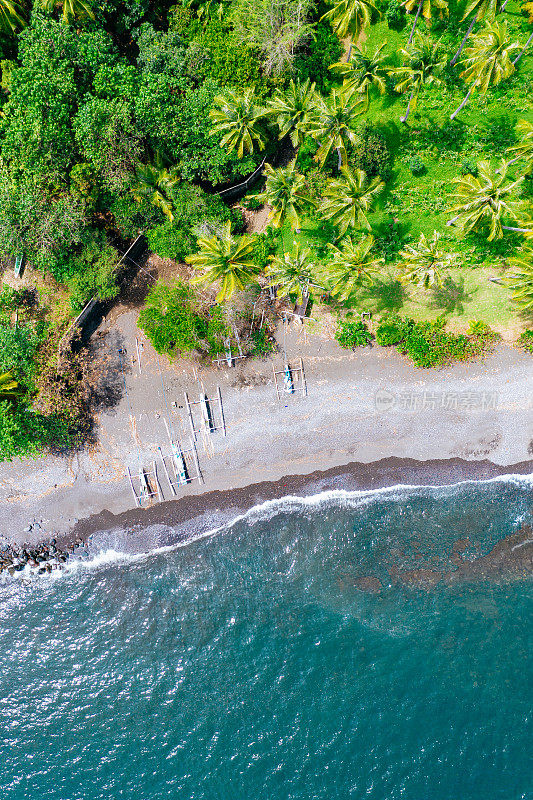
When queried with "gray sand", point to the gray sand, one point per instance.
{"points": [[361, 407]]}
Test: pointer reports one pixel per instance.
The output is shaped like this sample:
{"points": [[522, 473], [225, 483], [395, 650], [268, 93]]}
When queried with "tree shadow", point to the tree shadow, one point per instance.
{"points": [[499, 133], [451, 295], [387, 293]]}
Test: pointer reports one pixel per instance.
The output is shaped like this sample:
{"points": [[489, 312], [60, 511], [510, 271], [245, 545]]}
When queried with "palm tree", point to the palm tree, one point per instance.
{"points": [[225, 260], [353, 265], [332, 124], [155, 183], [361, 72], [292, 273], [488, 60], [239, 119], [349, 16], [428, 9], [71, 8], [524, 148], [521, 280], [285, 192], [12, 16], [348, 200], [291, 109], [481, 9], [9, 387], [486, 199], [422, 67], [423, 263]]}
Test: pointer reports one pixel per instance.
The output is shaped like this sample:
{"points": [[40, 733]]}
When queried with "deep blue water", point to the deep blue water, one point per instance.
{"points": [[247, 665]]}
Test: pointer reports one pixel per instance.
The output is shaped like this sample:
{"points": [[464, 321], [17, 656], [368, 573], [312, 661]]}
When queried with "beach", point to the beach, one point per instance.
{"points": [[369, 419]]}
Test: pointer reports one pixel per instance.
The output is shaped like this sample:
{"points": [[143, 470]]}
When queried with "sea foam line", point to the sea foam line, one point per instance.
{"points": [[270, 508]]}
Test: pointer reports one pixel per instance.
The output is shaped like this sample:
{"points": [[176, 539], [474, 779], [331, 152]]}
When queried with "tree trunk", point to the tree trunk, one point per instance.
{"points": [[339, 162], [349, 51], [414, 23], [467, 34], [451, 221], [404, 119], [503, 6], [521, 53], [517, 230], [463, 104], [514, 160]]}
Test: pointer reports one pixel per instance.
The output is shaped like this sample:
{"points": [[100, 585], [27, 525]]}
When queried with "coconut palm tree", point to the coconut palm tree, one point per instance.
{"points": [[225, 260], [285, 192], [520, 280], [486, 199], [12, 16], [422, 67], [291, 109], [524, 148], [428, 9], [10, 389], [154, 182], [488, 60], [71, 9], [348, 200], [424, 262], [239, 119], [291, 273], [360, 73], [353, 265], [349, 16], [333, 124], [477, 10]]}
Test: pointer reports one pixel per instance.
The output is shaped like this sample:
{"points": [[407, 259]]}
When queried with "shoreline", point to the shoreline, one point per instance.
{"points": [[183, 518]]}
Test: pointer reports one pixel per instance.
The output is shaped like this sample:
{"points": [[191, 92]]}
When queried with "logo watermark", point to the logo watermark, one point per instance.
{"points": [[385, 400]]}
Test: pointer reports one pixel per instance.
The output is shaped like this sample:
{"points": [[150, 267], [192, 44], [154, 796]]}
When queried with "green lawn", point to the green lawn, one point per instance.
{"points": [[411, 205]]}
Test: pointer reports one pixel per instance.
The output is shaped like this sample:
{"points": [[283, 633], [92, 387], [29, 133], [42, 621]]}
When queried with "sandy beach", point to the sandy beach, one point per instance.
{"points": [[369, 419]]}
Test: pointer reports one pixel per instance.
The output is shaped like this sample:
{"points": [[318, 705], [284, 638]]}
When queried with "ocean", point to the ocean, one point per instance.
{"points": [[265, 661]]}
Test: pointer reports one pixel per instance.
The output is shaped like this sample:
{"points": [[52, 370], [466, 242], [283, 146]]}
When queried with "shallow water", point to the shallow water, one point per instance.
{"points": [[249, 665]]}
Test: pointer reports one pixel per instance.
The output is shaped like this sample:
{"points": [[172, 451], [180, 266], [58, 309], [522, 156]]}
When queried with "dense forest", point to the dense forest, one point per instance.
{"points": [[397, 146]]}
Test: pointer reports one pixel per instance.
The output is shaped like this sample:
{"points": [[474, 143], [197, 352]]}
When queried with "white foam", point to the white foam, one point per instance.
{"points": [[271, 508]]}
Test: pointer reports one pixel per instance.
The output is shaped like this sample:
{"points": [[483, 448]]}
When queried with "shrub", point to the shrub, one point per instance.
{"points": [[252, 203], [18, 347], [526, 340], [353, 333], [428, 344], [94, 274], [372, 154], [261, 343], [416, 165], [389, 332], [305, 159], [317, 55], [170, 241], [469, 168], [395, 15], [265, 247], [171, 321], [482, 330]]}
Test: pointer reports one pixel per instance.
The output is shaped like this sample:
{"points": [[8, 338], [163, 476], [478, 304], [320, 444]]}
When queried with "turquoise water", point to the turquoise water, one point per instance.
{"points": [[248, 665]]}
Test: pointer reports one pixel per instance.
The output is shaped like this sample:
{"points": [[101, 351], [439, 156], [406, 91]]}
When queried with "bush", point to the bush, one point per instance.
{"points": [[266, 244], [469, 168], [428, 344], [389, 332], [18, 347], [395, 15], [526, 340], [305, 159], [170, 241], [176, 324], [372, 154], [252, 203], [353, 333], [416, 165], [261, 343], [481, 329], [317, 55], [94, 274]]}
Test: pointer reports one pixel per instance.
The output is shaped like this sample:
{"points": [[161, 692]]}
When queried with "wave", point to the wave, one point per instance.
{"points": [[107, 555]]}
